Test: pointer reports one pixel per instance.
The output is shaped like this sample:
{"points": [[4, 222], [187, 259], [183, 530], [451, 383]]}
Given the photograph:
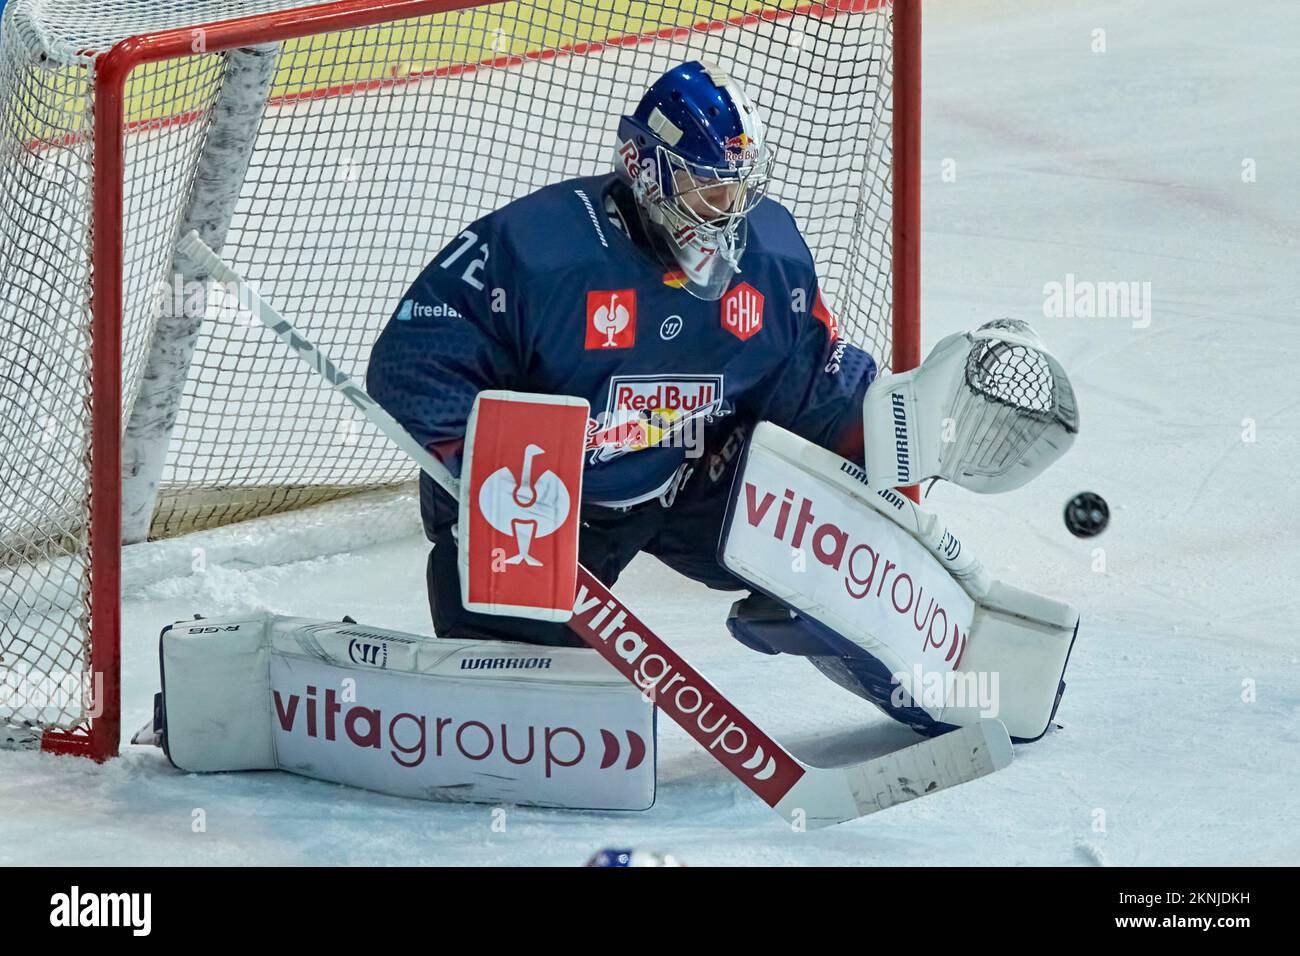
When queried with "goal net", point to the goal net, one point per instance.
{"points": [[329, 151]]}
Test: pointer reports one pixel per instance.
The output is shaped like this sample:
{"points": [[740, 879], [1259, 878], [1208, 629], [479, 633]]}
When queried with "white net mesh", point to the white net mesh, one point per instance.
{"points": [[374, 147]]}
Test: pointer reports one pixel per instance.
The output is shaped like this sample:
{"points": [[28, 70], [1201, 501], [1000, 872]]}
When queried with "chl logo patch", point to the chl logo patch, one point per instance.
{"points": [[611, 319], [742, 311]]}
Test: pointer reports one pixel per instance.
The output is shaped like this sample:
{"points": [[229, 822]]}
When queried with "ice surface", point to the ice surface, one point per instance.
{"points": [[1117, 166]]}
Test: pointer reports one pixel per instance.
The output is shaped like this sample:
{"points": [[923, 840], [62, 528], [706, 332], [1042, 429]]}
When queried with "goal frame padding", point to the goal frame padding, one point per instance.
{"points": [[111, 71]]}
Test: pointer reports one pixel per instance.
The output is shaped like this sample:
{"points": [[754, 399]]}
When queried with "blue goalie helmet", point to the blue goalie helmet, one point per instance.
{"points": [[697, 159]]}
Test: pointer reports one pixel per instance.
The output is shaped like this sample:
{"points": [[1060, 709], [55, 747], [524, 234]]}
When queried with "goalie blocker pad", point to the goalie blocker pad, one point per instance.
{"points": [[521, 489], [412, 716], [804, 527]]}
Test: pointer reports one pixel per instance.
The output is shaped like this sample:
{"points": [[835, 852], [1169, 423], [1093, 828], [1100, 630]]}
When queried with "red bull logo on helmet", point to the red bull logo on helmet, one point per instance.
{"points": [[640, 170], [740, 150]]}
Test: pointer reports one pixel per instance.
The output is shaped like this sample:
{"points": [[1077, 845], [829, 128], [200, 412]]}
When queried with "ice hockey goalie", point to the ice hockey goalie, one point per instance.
{"points": [[682, 304]]}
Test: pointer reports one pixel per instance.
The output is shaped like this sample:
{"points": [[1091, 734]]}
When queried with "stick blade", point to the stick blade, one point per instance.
{"points": [[826, 796]]}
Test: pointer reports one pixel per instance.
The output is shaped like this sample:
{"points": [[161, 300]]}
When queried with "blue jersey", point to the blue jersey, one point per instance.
{"points": [[551, 294]]}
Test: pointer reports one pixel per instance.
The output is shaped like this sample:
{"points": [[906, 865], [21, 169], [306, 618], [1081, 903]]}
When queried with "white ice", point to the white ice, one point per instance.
{"points": [[1180, 737]]}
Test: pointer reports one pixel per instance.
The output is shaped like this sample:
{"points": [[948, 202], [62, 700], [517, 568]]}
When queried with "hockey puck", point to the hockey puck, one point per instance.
{"points": [[1087, 514]]}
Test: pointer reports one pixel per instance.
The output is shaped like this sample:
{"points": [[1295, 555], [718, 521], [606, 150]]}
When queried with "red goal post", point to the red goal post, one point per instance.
{"points": [[869, 259]]}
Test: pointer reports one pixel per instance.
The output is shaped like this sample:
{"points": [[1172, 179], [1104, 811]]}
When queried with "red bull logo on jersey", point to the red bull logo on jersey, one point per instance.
{"points": [[629, 435], [651, 411], [689, 395], [742, 311]]}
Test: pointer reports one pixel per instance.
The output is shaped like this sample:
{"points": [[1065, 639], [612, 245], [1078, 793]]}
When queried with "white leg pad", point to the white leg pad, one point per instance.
{"points": [[475, 721]]}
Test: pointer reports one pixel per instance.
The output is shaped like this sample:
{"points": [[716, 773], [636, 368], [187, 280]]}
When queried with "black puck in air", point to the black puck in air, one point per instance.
{"points": [[1087, 514]]}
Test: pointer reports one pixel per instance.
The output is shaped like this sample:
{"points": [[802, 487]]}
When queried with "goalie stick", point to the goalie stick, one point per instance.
{"points": [[802, 794]]}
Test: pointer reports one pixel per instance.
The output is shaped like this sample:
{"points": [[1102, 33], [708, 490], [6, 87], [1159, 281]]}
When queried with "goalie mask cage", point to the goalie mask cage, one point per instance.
{"points": [[329, 151]]}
